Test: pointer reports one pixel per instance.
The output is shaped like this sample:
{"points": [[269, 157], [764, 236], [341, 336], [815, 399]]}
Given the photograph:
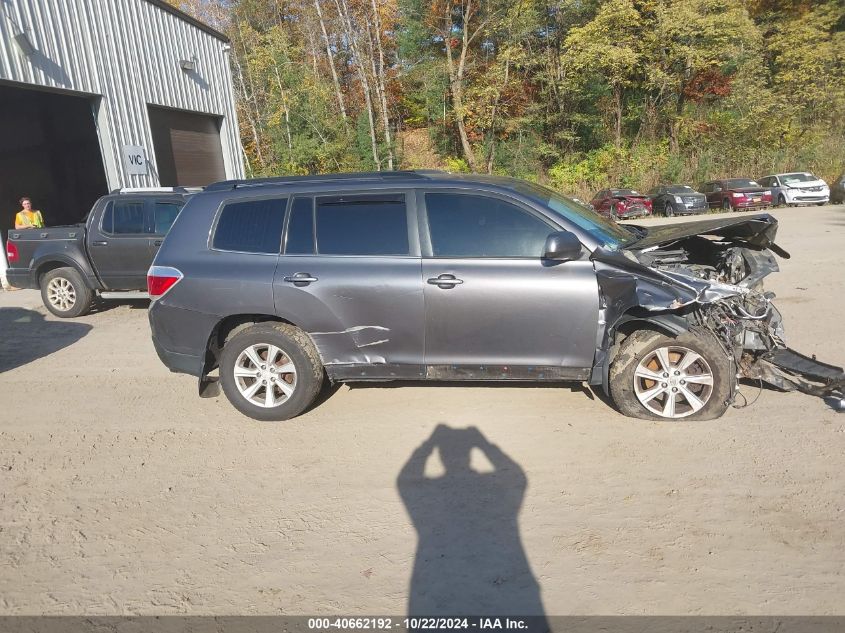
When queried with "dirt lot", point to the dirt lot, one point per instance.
{"points": [[124, 493]]}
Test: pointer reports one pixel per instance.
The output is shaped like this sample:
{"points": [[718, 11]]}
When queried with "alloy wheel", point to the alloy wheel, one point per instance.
{"points": [[265, 375], [673, 382], [61, 294]]}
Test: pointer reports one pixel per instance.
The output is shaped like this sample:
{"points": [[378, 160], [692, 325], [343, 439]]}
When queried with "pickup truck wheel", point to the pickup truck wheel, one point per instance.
{"points": [[271, 371], [65, 294], [657, 377]]}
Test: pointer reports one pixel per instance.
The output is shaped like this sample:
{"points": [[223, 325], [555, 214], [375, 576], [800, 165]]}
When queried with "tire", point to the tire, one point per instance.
{"points": [[781, 200], [65, 294], [726, 205], [668, 210], [294, 347], [639, 354]]}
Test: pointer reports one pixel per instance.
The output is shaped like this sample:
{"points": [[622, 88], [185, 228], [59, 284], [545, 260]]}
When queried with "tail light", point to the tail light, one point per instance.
{"points": [[737, 195], [160, 279], [648, 204], [12, 253], [622, 205], [767, 195]]}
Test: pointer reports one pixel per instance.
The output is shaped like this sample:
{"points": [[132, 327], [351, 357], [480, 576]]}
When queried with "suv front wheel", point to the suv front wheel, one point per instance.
{"points": [[271, 371], [657, 377]]}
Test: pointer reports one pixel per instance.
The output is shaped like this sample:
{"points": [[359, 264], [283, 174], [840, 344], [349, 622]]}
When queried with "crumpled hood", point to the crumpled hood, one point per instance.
{"points": [[759, 231], [806, 185]]}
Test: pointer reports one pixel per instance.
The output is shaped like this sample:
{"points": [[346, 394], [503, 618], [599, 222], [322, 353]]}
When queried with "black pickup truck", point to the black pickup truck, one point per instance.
{"points": [[109, 252]]}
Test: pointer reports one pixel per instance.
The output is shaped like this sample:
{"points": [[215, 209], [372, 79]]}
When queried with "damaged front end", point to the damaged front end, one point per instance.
{"points": [[707, 277]]}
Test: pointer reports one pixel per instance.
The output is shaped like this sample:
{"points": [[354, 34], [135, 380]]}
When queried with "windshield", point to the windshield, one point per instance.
{"points": [[790, 179], [607, 232], [680, 189], [737, 183]]}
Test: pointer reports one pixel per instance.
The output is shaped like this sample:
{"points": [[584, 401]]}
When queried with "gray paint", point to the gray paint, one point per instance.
{"points": [[419, 316], [124, 55]]}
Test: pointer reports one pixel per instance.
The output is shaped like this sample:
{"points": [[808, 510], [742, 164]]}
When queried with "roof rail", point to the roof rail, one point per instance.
{"points": [[224, 185], [149, 190]]}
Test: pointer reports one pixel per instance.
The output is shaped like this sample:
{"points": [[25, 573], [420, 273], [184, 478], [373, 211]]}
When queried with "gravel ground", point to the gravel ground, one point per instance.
{"points": [[124, 493]]}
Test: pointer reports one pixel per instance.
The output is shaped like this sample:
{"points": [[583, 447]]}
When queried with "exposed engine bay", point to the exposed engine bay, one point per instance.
{"points": [[710, 274]]}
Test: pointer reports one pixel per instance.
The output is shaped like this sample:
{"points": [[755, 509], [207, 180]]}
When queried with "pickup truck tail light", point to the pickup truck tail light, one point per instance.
{"points": [[160, 279], [12, 255], [737, 195]]}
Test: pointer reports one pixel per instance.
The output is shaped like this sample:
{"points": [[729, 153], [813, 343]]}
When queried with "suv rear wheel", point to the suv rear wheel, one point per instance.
{"points": [[65, 294], [271, 371], [657, 377]]}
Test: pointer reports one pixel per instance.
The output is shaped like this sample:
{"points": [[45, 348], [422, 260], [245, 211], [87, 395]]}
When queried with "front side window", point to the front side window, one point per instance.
{"points": [[251, 226], [362, 225], [165, 216], [465, 225]]}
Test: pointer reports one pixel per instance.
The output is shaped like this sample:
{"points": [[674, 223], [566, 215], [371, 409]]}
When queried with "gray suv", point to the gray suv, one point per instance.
{"points": [[271, 287]]}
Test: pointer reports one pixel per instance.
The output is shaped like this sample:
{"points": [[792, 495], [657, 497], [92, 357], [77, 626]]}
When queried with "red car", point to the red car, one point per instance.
{"points": [[733, 194], [621, 203]]}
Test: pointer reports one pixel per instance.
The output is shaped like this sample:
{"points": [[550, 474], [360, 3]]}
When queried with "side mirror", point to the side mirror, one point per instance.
{"points": [[562, 246]]}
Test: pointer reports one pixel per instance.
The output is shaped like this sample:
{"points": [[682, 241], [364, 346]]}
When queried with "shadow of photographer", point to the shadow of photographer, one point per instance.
{"points": [[469, 559]]}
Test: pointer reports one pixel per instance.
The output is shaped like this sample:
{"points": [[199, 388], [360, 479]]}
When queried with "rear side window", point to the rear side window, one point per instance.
{"points": [[126, 217], [252, 226], [362, 225], [463, 225], [165, 215]]}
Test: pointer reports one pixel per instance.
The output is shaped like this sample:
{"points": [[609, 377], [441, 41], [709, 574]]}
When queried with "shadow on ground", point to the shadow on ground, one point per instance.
{"points": [[469, 559], [26, 336], [104, 305]]}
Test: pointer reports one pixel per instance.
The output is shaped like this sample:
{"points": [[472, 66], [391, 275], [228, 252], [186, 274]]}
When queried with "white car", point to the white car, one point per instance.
{"points": [[797, 188]]}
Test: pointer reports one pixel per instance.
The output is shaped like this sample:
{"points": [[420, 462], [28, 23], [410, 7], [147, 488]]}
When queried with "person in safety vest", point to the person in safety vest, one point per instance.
{"points": [[27, 217]]}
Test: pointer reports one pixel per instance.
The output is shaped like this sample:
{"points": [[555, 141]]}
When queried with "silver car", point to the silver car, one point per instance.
{"points": [[797, 188]]}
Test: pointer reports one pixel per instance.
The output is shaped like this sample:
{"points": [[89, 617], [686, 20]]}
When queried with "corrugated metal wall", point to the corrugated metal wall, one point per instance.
{"points": [[127, 52]]}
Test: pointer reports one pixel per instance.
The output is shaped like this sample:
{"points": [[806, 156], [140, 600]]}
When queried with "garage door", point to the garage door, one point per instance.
{"points": [[187, 147], [48, 151]]}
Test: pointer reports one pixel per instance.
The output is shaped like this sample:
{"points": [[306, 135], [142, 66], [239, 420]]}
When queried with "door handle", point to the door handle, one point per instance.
{"points": [[301, 278], [101, 243], [445, 281]]}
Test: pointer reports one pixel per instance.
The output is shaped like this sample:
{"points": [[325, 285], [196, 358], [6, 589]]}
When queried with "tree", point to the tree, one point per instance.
{"points": [[608, 49]]}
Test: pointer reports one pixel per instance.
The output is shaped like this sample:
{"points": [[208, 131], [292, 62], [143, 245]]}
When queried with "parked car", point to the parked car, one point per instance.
{"points": [[621, 203], [797, 188], [677, 200], [109, 252], [837, 191], [734, 194], [432, 276]]}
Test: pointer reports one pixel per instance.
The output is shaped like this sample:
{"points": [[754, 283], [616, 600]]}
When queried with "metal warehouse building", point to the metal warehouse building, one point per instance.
{"points": [[101, 94]]}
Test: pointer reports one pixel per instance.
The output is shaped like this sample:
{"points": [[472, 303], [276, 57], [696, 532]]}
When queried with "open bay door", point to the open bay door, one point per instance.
{"points": [[187, 147]]}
